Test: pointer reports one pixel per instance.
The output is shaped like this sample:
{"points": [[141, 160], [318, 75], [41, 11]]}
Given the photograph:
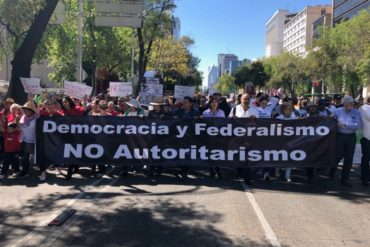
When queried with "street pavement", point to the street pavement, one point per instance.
{"points": [[167, 211]]}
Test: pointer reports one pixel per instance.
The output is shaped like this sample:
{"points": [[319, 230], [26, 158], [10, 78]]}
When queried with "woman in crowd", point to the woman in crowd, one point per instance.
{"points": [[286, 110], [27, 125], [214, 111], [70, 109]]}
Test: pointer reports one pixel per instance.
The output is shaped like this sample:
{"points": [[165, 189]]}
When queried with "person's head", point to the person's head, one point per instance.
{"points": [[111, 106], [49, 105], [67, 103], [187, 103], [213, 103], [15, 109], [95, 105], [263, 101], [218, 96], [347, 103], [245, 100], [103, 106], [312, 109], [322, 104], [286, 109], [29, 109], [134, 105], [337, 99], [202, 102], [9, 102]]}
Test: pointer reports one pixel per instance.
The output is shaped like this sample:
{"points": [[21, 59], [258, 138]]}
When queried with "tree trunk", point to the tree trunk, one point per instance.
{"points": [[21, 64]]}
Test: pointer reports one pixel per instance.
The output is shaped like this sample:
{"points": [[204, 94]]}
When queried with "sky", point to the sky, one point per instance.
{"points": [[230, 26]]}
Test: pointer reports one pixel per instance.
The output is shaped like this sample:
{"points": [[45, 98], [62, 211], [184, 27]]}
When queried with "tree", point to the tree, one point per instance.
{"points": [[254, 72], [26, 35], [105, 49], [156, 24], [287, 71], [226, 84]]}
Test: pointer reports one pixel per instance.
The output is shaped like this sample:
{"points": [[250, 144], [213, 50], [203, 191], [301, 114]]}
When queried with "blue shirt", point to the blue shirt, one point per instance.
{"points": [[352, 120]]}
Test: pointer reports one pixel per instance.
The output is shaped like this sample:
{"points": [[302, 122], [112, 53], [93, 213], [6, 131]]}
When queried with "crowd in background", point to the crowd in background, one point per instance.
{"points": [[18, 122]]}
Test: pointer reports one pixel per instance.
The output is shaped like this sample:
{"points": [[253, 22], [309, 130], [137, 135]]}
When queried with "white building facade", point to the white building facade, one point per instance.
{"points": [[275, 32], [212, 78], [298, 31]]}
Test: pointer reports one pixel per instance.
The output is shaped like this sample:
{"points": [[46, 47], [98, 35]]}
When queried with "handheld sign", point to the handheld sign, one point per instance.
{"points": [[31, 85], [76, 90], [118, 89], [183, 91]]}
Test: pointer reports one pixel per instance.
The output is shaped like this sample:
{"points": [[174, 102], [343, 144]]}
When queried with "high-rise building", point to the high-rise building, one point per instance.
{"points": [[346, 9], [234, 65], [298, 31], [224, 61], [212, 78], [176, 27], [323, 21], [275, 32]]}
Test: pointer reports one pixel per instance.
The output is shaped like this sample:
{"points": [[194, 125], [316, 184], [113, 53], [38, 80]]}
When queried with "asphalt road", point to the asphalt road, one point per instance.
{"points": [[201, 211]]}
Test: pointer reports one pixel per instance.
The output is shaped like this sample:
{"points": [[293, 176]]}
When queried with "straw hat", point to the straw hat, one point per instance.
{"points": [[158, 100], [134, 103], [10, 100], [30, 106]]}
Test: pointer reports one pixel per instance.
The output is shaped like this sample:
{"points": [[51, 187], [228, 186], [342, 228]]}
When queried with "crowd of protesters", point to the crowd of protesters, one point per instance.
{"points": [[18, 135]]}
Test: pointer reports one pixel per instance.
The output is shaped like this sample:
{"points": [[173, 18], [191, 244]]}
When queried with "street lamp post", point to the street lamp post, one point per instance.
{"points": [[80, 40]]}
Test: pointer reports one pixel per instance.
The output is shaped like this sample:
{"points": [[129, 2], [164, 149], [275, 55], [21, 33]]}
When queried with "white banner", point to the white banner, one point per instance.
{"points": [[152, 88], [183, 91], [118, 89], [31, 85], [76, 90]]}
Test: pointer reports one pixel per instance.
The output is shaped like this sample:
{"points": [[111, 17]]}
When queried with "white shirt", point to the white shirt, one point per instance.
{"points": [[28, 133], [218, 113], [241, 113], [365, 118]]}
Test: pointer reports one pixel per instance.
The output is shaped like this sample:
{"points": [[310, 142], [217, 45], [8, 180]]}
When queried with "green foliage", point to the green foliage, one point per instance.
{"points": [[286, 70], [254, 72], [105, 48], [226, 84]]}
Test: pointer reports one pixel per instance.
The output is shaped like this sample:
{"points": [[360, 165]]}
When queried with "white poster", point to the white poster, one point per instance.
{"points": [[118, 89], [151, 88], [183, 91], [76, 90], [152, 80], [31, 85]]}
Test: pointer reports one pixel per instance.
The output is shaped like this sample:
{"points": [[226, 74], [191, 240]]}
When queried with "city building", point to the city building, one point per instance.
{"points": [[176, 27], [346, 9], [212, 78], [298, 31], [275, 32], [224, 63], [323, 21], [234, 65]]}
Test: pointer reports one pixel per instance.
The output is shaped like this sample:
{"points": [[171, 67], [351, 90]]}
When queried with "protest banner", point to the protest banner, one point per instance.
{"points": [[76, 90], [150, 88], [183, 91], [118, 89], [195, 142], [149, 91], [31, 85]]}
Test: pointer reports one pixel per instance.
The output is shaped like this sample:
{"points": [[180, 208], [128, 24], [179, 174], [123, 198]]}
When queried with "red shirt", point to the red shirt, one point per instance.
{"points": [[74, 111], [46, 113], [12, 141]]}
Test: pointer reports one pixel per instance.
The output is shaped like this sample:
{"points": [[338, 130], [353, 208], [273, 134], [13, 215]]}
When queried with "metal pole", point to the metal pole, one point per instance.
{"points": [[80, 39], [6, 67], [132, 56]]}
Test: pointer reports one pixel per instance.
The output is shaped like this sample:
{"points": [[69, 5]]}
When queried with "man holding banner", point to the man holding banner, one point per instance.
{"points": [[244, 110]]}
